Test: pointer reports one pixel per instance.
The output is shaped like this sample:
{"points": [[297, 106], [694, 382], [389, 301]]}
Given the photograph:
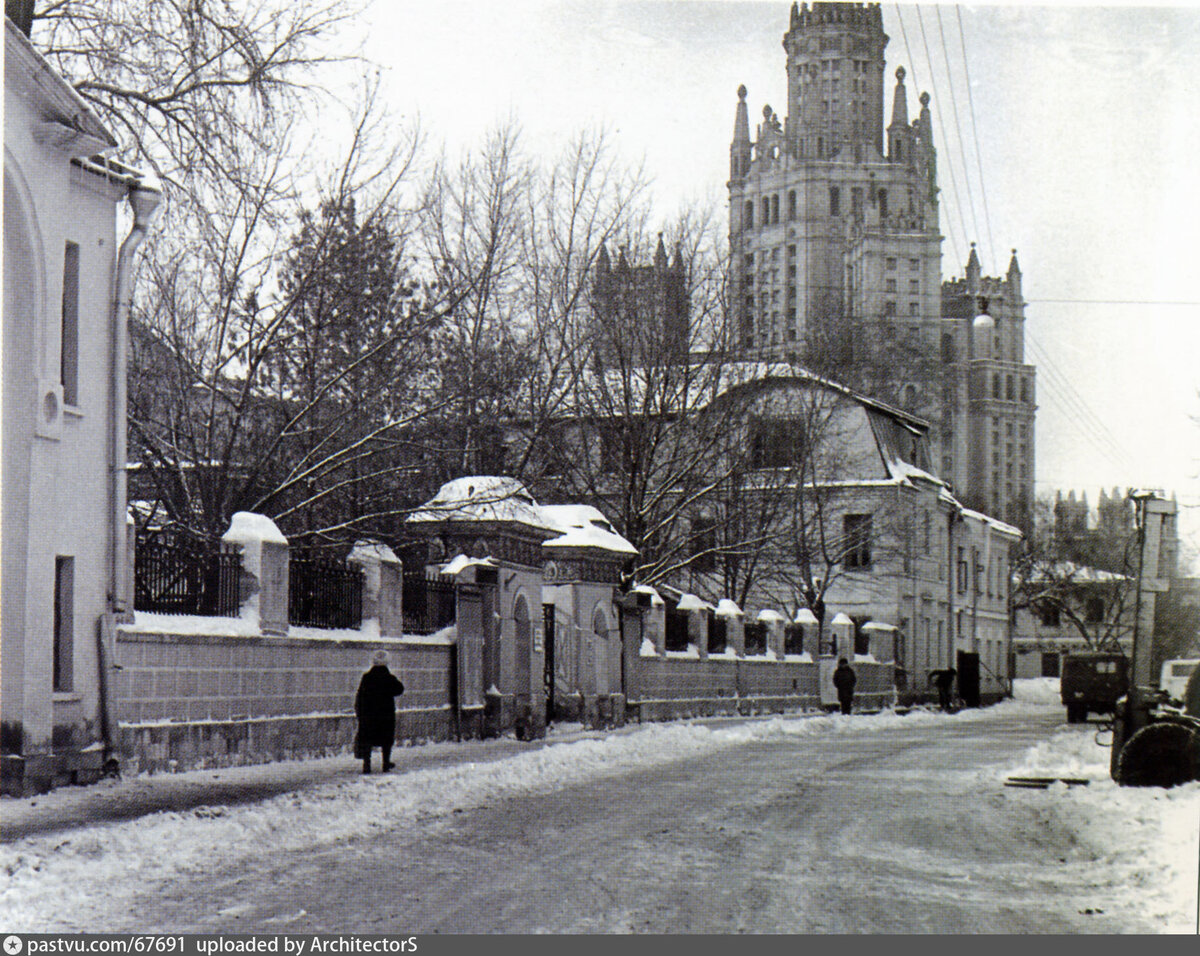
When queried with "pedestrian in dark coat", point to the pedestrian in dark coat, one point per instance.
{"points": [[944, 682], [844, 680], [375, 708]]}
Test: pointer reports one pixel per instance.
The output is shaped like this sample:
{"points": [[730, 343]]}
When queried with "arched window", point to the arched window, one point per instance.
{"points": [[792, 204], [775, 209], [1010, 389], [996, 385], [883, 204], [749, 217], [835, 201]]}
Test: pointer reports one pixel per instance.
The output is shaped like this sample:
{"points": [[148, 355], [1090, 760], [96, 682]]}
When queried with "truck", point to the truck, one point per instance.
{"points": [[1092, 684]]}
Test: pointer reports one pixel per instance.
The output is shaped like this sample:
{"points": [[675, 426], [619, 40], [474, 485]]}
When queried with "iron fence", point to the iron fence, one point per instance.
{"points": [[676, 638], [756, 638], [427, 603], [793, 639], [323, 592], [718, 634], [181, 576]]}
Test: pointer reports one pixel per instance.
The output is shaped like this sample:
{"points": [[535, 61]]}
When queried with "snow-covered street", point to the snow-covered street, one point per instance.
{"points": [[795, 824]]}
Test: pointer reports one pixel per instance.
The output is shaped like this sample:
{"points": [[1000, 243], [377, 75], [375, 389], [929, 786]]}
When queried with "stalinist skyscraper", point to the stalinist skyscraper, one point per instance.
{"points": [[836, 258]]}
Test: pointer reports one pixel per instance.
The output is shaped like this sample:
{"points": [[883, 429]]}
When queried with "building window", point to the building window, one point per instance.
{"points": [[856, 531], [749, 217], [914, 286], [1024, 390], [1010, 389], [70, 325], [996, 385], [883, 210], [775, 443], [1049, 615], [856, 200], [889, 308], [889, 263], [963, 571], [766, 211], [64, 622], [914, 309], [835, 201], [792, 209], [775, 209], [1094, 610], [889, 285], [914, 264]]}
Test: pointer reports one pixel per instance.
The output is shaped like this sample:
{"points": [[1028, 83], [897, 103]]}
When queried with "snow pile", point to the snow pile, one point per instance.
{"points": [[1037, 690], [1143, 841]]}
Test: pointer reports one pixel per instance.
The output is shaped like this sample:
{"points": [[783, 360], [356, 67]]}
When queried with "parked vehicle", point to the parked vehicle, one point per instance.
{"points": [[1092, 683], [1175, 674]]}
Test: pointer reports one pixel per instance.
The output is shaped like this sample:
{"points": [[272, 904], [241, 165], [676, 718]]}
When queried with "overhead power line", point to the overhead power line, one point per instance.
{"points": [[975, 130]]}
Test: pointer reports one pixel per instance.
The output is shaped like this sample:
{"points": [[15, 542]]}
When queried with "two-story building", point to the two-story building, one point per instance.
{"points": [[66, 296]]}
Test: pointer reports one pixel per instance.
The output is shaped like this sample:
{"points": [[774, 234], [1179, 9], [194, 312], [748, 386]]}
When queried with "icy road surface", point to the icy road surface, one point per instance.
{"points": [[796, 825]]}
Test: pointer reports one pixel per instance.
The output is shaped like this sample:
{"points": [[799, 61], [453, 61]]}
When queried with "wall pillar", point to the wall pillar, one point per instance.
{"points": [[263, 588], [811, 629], [382, 586], [735, 626], [774, 621]]}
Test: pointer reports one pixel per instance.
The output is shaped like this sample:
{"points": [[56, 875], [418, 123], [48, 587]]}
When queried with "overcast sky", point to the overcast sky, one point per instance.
{"points": [[1088, 128]]}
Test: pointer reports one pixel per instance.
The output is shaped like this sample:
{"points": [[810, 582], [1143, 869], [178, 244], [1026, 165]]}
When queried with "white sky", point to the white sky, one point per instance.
{"points": [[1089, 133]]}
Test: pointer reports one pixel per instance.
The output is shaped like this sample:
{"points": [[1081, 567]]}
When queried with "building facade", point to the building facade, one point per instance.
{"points": [[835, 255], [64, 518]]}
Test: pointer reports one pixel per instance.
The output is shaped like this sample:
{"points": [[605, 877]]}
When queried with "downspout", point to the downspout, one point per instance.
{"points": [[144, 200]]}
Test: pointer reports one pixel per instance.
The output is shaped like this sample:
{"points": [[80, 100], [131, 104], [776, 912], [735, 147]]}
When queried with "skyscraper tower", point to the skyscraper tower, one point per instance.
{"points": [[835, 258]]}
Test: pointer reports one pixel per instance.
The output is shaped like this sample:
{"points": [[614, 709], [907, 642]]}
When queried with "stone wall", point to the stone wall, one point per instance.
{"points": [[193, 700]]}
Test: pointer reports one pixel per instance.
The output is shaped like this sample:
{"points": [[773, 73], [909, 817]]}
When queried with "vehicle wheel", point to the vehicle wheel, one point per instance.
{"points": [[1161, 755]]}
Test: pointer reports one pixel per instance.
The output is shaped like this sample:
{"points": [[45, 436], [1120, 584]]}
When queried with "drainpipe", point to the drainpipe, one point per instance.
{"points": [[144, 199]]}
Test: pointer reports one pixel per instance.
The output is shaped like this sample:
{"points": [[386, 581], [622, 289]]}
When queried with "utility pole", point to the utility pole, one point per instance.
{"points": [[1156, 518]]}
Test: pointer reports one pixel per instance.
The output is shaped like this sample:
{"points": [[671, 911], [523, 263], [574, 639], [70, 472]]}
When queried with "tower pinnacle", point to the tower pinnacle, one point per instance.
{"points": [[739, 150]]}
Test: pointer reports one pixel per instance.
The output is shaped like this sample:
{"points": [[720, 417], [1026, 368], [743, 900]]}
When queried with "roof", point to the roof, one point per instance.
{"points": [[583, 526], [1070, 572], [483, 498], [63, 106]]}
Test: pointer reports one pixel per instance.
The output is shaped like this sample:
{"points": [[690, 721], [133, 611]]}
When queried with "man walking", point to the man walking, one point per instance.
{"points": [[375, 708], [844, 680]]}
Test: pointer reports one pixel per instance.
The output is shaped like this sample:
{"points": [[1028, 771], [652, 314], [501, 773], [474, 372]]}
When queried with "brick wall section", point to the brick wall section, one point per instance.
{"points": [[210, 677], [186, 700]]}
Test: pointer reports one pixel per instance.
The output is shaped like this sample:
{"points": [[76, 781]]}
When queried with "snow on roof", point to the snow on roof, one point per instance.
{"points": [[1070, 572], [583, 526], [879, 626], [994, 523], [461, 562], [483, 498], [728, 608], [373, 550], [689, 602]]}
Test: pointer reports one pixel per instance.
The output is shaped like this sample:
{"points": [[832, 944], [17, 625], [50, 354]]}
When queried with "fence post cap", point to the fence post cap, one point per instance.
{"points": [[372, 551], [246, 527], [805, 616]]}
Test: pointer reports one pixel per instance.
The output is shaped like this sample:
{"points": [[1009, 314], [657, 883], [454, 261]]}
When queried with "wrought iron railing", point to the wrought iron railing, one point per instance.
{"points": [[718, 634], [793, 639], [756, 638], [428, 603], [677, 630], [323, 592], [184, 576]]}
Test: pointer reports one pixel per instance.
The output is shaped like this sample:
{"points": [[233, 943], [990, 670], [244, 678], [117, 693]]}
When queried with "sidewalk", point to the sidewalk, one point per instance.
{"points": [[116, 800]]}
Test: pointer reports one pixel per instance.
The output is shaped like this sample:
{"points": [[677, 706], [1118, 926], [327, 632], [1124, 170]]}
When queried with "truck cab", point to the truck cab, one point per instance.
{"points": [[1092, 683]]}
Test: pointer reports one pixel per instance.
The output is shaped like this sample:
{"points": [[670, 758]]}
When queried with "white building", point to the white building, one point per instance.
{"points": [[63, 436]]}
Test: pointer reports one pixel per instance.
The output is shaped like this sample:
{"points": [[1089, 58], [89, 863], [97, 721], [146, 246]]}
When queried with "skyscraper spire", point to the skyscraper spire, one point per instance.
{"points": [[660, 254], [739, 150], [899, 140], [974, 271]]}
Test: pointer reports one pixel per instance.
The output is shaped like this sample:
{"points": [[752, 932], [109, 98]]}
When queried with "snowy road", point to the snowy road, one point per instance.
{"points": [[797, 825]]}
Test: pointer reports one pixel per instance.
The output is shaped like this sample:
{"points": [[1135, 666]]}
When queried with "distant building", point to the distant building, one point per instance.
{"points": [[640, 313], [835, 248], [64, 518]]}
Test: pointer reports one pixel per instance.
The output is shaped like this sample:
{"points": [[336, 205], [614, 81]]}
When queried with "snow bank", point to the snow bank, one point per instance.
{"points": [[1143, 841], [1037, 690]]}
